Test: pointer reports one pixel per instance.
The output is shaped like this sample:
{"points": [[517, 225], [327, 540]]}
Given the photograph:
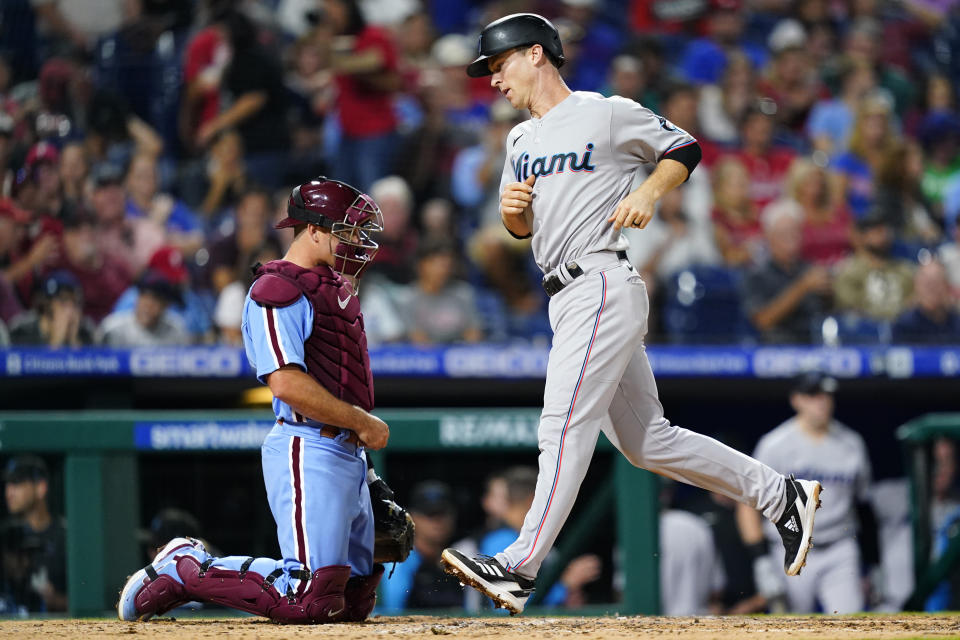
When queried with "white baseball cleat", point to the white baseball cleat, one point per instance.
{"points": [[796, 523]]}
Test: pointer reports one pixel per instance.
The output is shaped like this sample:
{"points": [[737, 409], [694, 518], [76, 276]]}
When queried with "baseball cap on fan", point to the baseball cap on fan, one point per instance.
{"points": [[168, 261]]}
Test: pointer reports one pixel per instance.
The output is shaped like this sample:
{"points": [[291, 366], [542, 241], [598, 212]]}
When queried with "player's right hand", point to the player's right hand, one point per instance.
{"points": [[374, 434], [516, 197]]}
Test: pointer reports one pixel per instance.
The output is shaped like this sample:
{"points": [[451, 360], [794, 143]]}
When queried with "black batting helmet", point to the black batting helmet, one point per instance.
{"points": [[516, 30]]}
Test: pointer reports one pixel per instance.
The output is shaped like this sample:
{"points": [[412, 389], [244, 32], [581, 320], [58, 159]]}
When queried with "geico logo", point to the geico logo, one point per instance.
{"points": [[185, 362], [510, 362]]}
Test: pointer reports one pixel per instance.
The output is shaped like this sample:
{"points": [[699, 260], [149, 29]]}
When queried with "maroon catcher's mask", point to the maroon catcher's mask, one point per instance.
{"points": [[350, 216]]}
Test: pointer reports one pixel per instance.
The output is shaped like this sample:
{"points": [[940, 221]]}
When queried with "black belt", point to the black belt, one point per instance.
{"points": [[553, 284]]}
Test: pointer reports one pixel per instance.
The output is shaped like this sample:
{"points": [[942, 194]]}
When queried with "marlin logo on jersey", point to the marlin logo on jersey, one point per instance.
{"points": [[523, 168]]}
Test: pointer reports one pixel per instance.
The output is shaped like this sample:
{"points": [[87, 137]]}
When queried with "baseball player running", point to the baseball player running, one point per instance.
{"points": [[566, 182], [303, 331]]}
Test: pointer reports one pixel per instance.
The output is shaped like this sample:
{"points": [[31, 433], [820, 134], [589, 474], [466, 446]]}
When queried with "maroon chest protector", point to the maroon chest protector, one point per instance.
{"points": [[336, 351]]}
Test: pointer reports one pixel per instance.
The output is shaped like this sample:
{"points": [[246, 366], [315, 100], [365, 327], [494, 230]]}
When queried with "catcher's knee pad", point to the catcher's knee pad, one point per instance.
{"points": [[360, 596], [251, 592]]}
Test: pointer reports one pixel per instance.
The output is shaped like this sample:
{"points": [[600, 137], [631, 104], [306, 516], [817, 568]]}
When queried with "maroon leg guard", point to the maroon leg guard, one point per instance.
{"points": [[361, 596], [159, 595], [249, 591]]}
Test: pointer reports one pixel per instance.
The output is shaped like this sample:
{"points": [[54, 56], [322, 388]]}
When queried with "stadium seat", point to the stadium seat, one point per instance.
{"points": [[850, 329], [702, 305]]}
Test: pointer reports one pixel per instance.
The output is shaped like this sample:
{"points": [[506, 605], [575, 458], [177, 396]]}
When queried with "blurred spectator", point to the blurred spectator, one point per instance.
{"points": [[704, 60], [232, 255], [74, 26], [42, 172], [228, 312], [309, 83], [74, 169], [33, 542], [398, 240], [791, 80], [766, 163], [130, 239], [113, 133], [899, 196], [933, 317], [195, 313], [148, 324], [258, 105], [827, 223], [948, 253], [670, 243], [521, 483], [871, 141], [205, 59], [832, 119], [103, 276], [440, 309], [784, 295], [722, 105], [736, 218], [420, 582], [365, 61], [145, 200], [426, 154], [595, 49], [14, 265], [940, 137], [225, 174], [452, 53], [872, 283], [863, 44], [475, 178], [56, 317]]}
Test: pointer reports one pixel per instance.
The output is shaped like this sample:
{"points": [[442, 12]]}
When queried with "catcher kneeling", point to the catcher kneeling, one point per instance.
{"points": [[303, 332]]}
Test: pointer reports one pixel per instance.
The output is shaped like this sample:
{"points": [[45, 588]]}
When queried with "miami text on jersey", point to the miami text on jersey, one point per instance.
{"points": [[558, 162]]}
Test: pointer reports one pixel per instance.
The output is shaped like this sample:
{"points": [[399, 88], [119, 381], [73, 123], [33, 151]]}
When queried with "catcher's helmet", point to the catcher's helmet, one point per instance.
{"points": [[516, 30], [351, 216]]}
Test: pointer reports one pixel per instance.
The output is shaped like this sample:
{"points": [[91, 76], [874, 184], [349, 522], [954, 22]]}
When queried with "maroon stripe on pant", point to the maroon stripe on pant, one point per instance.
{"points": [[274, 338], [299, 534]]}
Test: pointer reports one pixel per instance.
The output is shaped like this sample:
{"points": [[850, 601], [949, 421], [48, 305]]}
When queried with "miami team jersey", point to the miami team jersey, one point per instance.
{"points": [[839, 461], [585, 134], [274, 337]]}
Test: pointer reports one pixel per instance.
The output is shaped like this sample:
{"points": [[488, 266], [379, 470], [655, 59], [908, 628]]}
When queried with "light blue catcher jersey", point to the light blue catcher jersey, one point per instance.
{"points": [[274, 337]]}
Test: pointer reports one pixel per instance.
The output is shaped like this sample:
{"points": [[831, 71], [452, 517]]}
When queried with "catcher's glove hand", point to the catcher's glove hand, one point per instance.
{"points": [[393, 526]]}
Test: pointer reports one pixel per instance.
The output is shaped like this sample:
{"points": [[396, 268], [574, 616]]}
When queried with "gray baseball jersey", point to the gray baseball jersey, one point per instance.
{"points": [[839, 461], [584, 152]]}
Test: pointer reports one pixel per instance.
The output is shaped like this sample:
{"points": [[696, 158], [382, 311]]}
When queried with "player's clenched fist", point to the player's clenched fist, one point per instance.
{"points": [[375, 433], [635, 211], [516, 197]]}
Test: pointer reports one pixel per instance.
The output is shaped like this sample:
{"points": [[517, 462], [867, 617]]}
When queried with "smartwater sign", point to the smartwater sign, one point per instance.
{"points": [[224, 435]]}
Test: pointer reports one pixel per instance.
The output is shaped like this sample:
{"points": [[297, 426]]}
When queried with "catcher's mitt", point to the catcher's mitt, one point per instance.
{"points": [[393, 526]]}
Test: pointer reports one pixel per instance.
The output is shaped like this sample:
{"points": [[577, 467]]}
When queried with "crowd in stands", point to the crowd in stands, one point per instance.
{"points": [[147, 147]]}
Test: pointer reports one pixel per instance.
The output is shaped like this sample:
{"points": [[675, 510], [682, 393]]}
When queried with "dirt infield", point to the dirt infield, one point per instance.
{"points": [[768, 628]]}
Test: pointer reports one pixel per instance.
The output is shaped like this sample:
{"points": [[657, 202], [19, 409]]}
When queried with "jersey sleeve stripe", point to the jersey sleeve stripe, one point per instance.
{"points": [[279, 355]]}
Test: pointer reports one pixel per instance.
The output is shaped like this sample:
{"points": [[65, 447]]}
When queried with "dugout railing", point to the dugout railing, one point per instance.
{"points": [[100, 451], [918, 437]]}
